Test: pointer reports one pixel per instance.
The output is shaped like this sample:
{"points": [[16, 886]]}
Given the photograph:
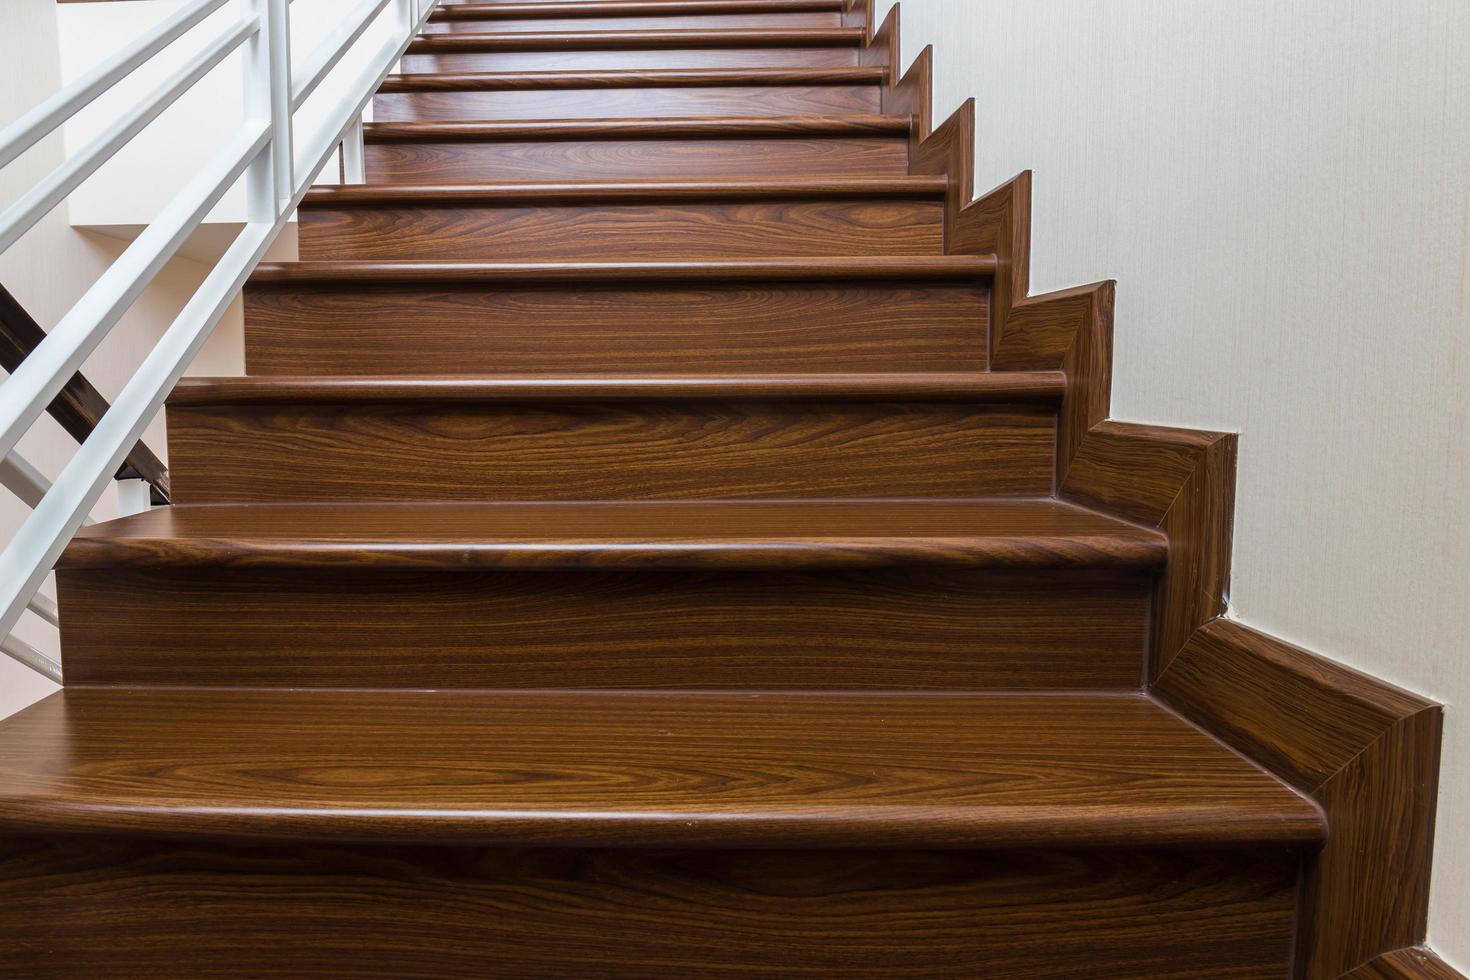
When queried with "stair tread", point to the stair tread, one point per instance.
{"points": [[1004, 387], [1001, 532], [616, 8], [704, 37], [864, 268], [618, 191], [637, 768], [849, 124], [631, 78]]}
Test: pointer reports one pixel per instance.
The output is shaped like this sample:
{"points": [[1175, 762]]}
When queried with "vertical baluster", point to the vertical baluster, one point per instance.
{"points": [[271, 180], [353, 167]]}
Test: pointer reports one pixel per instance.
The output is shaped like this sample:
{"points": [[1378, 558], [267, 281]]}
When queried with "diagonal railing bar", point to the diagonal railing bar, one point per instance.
{"points": [[268, 155]]}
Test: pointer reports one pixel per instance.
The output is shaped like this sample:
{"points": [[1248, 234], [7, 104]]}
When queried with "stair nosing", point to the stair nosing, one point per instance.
{"points": [[693, 127], [1000, 387], [592, 191], [630, 78], [1114, 544], [1251, 807], [958, 268], [650, 40], [574, 9]]}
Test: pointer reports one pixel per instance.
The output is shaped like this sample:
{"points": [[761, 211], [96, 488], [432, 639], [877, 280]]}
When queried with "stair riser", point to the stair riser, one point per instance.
{"points": [[905, 627], [629, 232], [776, 327], [425, 162], [624, 103], [674, 450], [499, 61], [669, 22], [330, 912]]}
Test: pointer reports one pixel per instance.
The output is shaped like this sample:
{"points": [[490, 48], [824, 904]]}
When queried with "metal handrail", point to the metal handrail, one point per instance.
{"points": [[264, 152]]}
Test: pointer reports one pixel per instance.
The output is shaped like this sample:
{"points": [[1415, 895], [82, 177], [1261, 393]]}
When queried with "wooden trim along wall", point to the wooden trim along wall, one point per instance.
{"points": [[1365, 751], [1413, 963]]}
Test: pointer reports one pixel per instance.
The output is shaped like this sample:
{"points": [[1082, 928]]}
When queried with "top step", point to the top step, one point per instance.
{"points": [[648, 40], [629, 8]]}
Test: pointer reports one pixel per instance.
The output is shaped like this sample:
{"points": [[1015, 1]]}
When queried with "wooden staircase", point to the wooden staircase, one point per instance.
{"points": [[636, 552]]}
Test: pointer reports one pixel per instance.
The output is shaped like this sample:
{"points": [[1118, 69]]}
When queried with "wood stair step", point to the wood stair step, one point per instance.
{"points": [[488, 96], [616, 438], [627, 20], [628, 8], [853, 144], [637, 769], [998, 594], [513, 81], [793, 315], [646, 40], [991, 534]]}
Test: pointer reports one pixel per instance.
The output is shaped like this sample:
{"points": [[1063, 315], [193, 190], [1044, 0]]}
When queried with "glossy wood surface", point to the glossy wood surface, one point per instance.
{"points": [[625, 22], [1413, 963], [676, 38], [661, 78], [627, 8], [992, 533], [618, 328], [322, 912], [837, 770], [626, 59], [708, 127], [903, 627], [620, 450], [604, 103]]}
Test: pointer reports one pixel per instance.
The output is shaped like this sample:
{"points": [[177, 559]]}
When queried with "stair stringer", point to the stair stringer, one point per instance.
{"points": [[1365, 895]]}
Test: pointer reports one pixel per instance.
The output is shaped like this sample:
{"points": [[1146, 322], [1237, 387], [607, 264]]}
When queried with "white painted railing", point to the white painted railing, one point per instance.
{"points": [[277, 168]]}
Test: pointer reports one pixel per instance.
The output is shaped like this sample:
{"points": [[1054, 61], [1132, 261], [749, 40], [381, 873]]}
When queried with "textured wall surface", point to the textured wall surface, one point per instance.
{"points": [[1282, 191]]}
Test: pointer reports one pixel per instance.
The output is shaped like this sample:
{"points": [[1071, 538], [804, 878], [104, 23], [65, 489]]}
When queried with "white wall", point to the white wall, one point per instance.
{"points": [[48, 271], [1283, 192]]}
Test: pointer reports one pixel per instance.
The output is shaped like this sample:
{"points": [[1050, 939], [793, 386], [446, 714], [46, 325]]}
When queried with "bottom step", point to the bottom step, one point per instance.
{"points": [[471, 834]]}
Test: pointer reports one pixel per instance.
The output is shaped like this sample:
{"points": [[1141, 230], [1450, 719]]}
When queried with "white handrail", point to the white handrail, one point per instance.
{"points": [[265, 153]]}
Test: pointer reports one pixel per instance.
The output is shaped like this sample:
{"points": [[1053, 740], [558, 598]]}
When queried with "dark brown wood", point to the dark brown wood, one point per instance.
{"points": [[1367, 752], [899, 628], [895, 268], [458, 161], [554, 80], [796, 37], [628, 8], [79, 406], [605, 103], [990, 534], [1413, 963], [626, 59], [656, 22], [126, 910], [767, 447], [769, 327], [639, 191], [837, 770], [715, 127]]}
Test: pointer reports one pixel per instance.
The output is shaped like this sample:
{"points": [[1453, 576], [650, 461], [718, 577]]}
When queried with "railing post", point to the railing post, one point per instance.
{"points": [[354, 170], [271, 180], [133, 497]]}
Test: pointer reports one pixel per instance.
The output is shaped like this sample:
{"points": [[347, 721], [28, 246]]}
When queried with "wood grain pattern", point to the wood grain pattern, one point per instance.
{"points": [[793, 327], [603, 103], [661, 78], [621, 60], [1412, 963], [999, 533], [646, 449], [628, 232], [835, 770], [712, 127], [902, 628], [588, 40], [462, 162], [1367, 752], [627, 8], [779, 270], [627, 22], [544, 913]]}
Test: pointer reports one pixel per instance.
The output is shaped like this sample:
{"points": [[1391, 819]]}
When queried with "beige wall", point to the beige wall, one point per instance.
{"points": [[1283, 192], [50, 269]]}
